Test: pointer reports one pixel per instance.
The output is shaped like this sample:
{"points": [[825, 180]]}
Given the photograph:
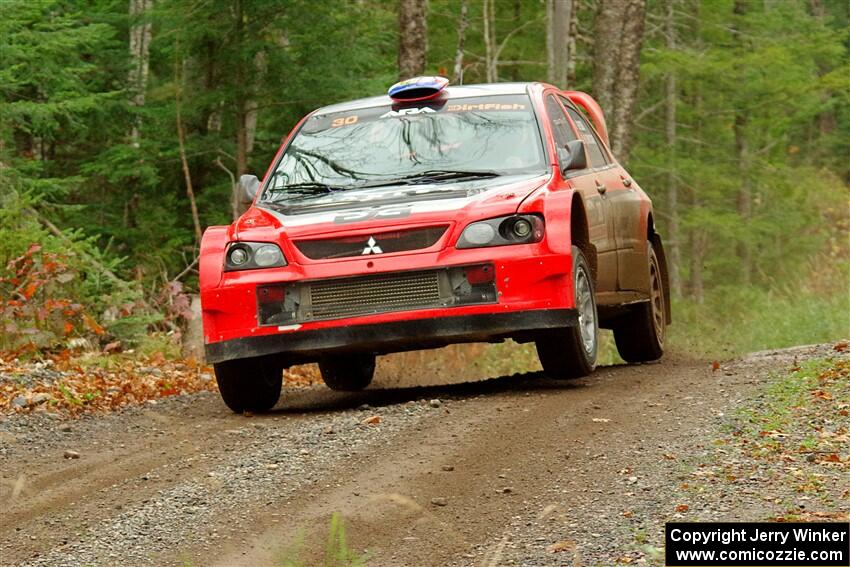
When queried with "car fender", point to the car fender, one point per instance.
{"points": [[211, 260], [555, 204]]}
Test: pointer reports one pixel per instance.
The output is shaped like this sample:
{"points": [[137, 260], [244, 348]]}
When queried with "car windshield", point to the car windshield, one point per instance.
{"points": [[448, 140]]}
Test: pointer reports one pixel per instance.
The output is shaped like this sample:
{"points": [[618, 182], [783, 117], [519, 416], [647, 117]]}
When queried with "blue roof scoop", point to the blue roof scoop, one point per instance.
{"points": [[418, 88]]}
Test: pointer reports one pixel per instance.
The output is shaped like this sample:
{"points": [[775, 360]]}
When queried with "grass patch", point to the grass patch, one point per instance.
{"points": [[337, 552], [736, 321]]}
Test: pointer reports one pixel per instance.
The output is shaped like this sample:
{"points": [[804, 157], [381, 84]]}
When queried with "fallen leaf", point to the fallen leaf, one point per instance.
{"points": [[715, 365], [566, 545], [841, 346], [93, 325], [822, 394], [773, 434], [373, 420], [682, 508]]}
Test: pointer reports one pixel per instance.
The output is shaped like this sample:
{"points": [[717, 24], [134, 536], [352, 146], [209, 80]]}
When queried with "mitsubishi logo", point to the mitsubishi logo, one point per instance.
{"points": [[372, 247]]}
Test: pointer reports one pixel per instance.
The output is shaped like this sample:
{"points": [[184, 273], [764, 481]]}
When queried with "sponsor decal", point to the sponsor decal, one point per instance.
{"points": [[373, 214], [407, 112]]}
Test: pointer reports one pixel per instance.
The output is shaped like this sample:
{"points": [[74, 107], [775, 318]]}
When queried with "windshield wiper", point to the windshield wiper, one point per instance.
{"points": [[434, 175], [306, 188]]}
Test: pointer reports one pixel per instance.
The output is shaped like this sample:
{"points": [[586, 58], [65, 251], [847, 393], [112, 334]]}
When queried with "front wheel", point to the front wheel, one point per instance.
{"points": [[348, 372], [640, 334], [249, 384], [571, 352]]}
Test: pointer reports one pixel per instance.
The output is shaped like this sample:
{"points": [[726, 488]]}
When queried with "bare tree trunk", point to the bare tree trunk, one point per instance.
{"points": [[515, 23], [742, 149], [698, 239], [670, 96], [140, 40], [550, 41], [234, 188], [745, 197], [571, 45], [242, 111], [181, 145], [826, 119], [260, 67], [698, 245], [628, 77], [606, 51], [463, 22], [619, 36], [412, 37], [490, 41], [558, 20]]}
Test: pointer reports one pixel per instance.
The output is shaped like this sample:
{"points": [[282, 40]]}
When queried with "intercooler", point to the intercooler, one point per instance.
{"points": [[318, 300]]}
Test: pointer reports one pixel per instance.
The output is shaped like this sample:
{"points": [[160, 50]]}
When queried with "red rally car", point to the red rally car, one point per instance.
{"points": [[434, 215]]}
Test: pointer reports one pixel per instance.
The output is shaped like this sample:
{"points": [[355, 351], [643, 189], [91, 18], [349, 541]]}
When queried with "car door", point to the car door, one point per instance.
{"points": [[591, 188], [623, 202]]}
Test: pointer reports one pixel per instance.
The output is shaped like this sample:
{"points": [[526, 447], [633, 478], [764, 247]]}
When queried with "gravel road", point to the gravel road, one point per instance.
{"points": [[516, 470]]}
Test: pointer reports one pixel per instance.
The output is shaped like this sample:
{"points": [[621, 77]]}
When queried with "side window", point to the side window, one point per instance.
{"points": [[594, 146], [562, 130]]}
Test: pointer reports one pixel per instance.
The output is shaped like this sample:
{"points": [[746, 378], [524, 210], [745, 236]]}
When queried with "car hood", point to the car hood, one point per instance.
{"points": [[375, 208]]}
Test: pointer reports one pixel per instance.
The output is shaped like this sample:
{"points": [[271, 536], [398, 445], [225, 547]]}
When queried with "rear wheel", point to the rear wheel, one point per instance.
{"points": [[641, 333], [250, 384], [348, 372], [571, 352]]}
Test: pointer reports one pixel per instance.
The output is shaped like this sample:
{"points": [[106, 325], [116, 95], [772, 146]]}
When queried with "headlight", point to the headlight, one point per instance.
{"points": [[252, 255], [501, 231]]}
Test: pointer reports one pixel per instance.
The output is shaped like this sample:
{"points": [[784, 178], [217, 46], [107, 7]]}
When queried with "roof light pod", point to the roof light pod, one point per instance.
{"points": [[418, 88]]}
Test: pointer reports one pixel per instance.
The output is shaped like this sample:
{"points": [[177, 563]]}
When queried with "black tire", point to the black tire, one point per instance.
{"points": [[249, 384], [568, 353], [641, 333], [348, 372]]}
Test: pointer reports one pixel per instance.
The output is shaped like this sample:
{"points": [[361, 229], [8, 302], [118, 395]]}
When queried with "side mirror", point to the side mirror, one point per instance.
{"points": [[248, 187], [575, 158]]}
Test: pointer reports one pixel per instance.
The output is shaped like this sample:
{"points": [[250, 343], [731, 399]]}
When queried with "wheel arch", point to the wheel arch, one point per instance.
{"points": [[580, 233], [655, 239]]}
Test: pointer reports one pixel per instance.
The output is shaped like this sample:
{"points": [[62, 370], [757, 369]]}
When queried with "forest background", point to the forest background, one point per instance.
{"points": [[123, 126]]}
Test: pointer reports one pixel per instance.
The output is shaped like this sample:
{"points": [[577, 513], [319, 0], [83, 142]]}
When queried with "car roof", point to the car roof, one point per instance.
{"points": [[459, 91]]}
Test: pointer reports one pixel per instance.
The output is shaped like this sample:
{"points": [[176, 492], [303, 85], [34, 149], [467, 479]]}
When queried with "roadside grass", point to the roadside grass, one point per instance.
{"points": [[791, 442], [337, 551], [729, 323], [735, 321], [783, 455]]}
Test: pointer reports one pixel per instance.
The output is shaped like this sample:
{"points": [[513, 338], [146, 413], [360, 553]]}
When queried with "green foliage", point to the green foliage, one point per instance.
{"points": [[337, 552], [734, 321]]}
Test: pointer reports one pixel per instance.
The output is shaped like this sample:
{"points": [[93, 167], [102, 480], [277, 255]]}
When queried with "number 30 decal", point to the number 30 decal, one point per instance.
{"points": [[347, 121]]}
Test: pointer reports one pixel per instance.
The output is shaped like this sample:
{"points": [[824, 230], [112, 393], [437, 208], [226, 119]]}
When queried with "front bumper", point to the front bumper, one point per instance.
{"points": [[529, 280], [382, 338]]}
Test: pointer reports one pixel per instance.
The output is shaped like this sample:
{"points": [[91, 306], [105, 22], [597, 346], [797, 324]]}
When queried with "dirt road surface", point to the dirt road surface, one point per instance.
{"points": [[513, 470]]}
